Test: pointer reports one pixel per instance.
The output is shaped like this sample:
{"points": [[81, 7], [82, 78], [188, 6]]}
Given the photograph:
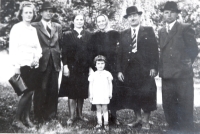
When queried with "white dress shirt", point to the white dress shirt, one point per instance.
{"points": [[169, 26], [45, 24], [24, 45]]}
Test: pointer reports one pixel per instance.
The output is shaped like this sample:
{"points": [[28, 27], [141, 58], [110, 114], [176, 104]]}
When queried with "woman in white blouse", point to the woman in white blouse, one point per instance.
{"points": [[25, 52]]}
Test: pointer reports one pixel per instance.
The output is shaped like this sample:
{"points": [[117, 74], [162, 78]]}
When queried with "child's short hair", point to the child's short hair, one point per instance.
{"points": [[99, 58]]}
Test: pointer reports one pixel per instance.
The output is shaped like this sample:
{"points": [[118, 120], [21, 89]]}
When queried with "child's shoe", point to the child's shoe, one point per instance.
{"points": [[98, 127], [106, 127]]}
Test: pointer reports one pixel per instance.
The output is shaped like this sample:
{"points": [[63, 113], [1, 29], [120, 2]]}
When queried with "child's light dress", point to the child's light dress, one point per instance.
{"points": [[100, 87]]}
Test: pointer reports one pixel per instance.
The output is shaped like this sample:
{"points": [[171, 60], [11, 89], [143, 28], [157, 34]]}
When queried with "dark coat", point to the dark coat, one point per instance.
{"points": [[138, 91], [105, 43], [178, 51], [147, 47], [50, 45], [76, 53]]}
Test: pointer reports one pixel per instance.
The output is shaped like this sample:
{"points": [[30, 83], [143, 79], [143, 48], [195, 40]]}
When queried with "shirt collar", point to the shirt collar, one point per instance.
{"points": [[78, 30], [136, 29], [171, 25], [45, 23]]}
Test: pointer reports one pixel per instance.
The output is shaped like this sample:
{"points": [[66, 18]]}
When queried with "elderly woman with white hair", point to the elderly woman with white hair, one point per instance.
{"points": [[104, 42], [25, 52]]}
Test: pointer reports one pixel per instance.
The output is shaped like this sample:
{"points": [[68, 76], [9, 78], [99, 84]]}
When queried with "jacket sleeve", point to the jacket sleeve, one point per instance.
{"points": [[65, 48], [191, 47], [119, 53], [154, 58]]}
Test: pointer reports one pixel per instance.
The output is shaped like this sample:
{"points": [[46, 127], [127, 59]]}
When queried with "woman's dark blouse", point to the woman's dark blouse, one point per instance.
{"points": [[76, 53], [105, 43]]}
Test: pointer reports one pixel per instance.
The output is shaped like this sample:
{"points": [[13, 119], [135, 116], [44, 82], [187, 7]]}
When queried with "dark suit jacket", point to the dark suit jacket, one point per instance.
{"points": [[50, 45], [146, 45], [178, 51]]}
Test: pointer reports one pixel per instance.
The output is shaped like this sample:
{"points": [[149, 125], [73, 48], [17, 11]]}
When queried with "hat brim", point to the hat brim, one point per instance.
{"points": [[53, 8], [162, 10], [126, 16]]}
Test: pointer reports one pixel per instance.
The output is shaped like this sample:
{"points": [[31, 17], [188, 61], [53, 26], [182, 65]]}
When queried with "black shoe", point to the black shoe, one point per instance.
{"points": [[114, 120]]}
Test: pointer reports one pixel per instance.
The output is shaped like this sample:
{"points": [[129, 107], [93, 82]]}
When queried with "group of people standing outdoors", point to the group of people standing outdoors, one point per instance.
{"points": [[115, 70]]}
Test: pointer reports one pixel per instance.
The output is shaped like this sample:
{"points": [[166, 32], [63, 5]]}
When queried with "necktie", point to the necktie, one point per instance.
{"points": [[168, 28], [134, 43], [49, 30]]}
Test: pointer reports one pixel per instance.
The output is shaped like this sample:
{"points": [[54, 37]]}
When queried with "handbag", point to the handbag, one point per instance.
{"points": [[18, 84]]}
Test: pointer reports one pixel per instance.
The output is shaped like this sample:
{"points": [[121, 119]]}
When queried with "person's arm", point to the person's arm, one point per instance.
{"points": [[13, 48], [38, 51], [154, 56], [90, 92], [65, 54], [110, 78], [110, 88], [191, 47], [119, 59]]}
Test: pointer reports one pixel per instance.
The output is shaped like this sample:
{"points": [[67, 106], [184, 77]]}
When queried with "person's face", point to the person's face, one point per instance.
{"points": [[27, 14], [100, 65], [101, 22], [47, 14], [169, 16], [78, 21], [134, 19]]}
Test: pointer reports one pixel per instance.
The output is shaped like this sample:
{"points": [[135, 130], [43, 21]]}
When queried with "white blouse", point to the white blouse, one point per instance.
{"points": [[24, 45]]}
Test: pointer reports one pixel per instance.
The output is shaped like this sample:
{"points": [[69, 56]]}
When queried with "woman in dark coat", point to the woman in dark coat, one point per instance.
{"points": [[76, 61], [104, 42]]}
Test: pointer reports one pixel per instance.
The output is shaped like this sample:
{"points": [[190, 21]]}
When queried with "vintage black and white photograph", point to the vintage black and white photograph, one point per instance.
{"points": [[100, 66]]}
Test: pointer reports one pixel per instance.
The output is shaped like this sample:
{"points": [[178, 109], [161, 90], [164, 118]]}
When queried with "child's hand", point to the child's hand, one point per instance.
{"points": [[90, 99]]}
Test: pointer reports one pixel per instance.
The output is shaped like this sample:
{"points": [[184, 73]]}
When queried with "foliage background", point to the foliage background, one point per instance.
{"points": [[114, 9]]}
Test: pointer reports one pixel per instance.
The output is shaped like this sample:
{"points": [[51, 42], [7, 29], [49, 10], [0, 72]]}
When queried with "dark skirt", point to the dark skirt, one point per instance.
{"points": [[76, 85], [30, 77]]}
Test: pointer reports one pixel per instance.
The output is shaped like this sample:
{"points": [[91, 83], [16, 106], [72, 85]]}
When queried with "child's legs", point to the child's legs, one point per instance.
{"points": [[99, 113], [105, 113]]}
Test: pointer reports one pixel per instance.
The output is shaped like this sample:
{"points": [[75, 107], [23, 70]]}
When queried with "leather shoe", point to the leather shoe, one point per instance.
{"points": [[19, 125], [116, 121], [70, 122], [145, 126]]}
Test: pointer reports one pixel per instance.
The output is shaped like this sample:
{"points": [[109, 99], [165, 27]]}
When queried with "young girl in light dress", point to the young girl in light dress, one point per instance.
{"points": [[100, 91]]}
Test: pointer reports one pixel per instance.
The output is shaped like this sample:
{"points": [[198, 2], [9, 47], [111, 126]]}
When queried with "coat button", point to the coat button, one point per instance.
{"points": [[128, 59], [129, 52]]}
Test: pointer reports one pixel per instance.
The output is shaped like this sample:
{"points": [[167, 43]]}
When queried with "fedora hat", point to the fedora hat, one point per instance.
{"points": [[47, 5], [172, 6], [132, 10]]}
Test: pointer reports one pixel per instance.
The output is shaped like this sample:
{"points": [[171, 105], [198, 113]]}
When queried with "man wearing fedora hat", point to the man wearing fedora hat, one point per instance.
{"points": [[137, 65], [178, 51], [49, 33]]}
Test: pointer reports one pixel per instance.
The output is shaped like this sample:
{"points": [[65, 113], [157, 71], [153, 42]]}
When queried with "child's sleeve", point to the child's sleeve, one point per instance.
{"points": [[91, 77], [110, 77]]}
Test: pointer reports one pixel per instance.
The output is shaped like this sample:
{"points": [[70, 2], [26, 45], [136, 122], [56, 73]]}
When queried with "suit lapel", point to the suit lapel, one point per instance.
{"points": [[128, 36], [43, 29], [53, 29], [170, 34], [140, 33]]}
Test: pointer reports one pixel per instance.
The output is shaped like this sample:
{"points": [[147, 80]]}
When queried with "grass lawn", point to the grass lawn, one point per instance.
{"points": [[9, 100]]}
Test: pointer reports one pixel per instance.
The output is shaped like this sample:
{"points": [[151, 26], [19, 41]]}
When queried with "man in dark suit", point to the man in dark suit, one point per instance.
{"points": [[178, 51], [49, 34], [137, 65]]}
